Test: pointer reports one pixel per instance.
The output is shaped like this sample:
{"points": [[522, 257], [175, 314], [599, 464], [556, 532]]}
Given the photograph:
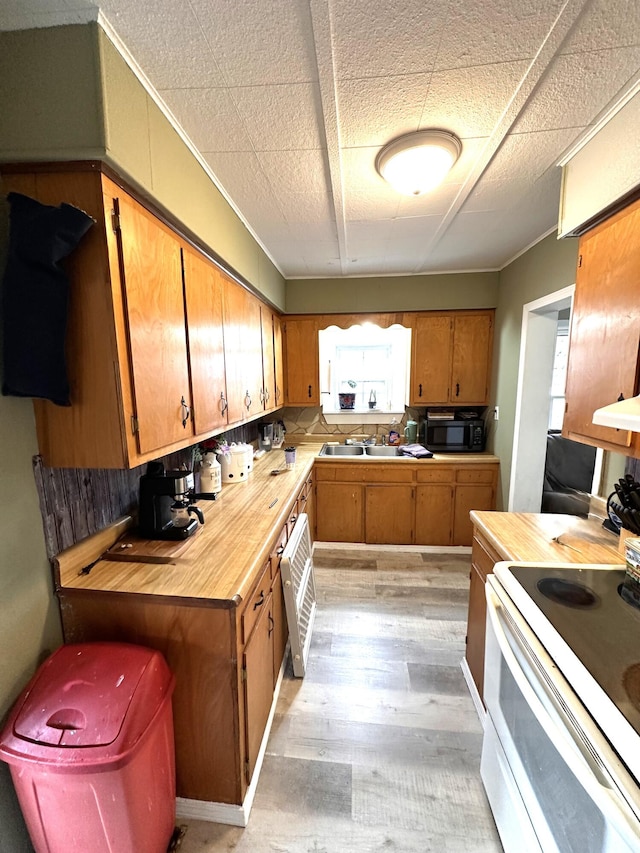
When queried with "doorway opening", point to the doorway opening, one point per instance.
{"points": [[534, 400]]}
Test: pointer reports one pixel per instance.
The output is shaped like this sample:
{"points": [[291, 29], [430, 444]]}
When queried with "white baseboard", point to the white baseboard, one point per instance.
{"points": [[232, 813], [473, 690]]}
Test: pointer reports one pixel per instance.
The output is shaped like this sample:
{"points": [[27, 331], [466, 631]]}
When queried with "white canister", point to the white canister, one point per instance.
{"points": [[248, 449], [210, 475], [233, 463]]}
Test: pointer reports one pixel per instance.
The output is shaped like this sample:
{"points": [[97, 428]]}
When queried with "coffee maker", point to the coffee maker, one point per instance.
{"points": [[166, 510]]}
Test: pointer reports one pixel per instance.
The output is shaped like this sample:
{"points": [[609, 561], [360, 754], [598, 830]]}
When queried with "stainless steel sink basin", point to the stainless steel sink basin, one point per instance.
{"points": [[379, 450], [342, 450]]}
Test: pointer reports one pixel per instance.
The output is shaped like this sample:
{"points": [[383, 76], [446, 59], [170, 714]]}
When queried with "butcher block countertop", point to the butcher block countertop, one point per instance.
{"points": [[226, 554], [224, 559], [529, 537]]}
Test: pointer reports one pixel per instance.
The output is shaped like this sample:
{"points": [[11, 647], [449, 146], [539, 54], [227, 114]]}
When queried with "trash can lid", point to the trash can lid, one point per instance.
{"points": [[81, 696]]}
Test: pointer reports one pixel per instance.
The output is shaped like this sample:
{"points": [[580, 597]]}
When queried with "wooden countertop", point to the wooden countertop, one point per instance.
{"points": [[223, 561], [529, 537], [436, 459]]}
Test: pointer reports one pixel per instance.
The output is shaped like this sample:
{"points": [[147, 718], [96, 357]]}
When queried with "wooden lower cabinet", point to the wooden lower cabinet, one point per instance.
{"points": [[257, 675], [402, 504], [483, 559], [339, 512], [389, 514]]}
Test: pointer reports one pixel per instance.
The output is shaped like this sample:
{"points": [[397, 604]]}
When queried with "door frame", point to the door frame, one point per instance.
{"points": [[535, 368]]}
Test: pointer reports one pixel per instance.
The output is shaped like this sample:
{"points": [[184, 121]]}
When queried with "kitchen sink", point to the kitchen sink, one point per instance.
{"points": [[342, 450], [380, 450]]}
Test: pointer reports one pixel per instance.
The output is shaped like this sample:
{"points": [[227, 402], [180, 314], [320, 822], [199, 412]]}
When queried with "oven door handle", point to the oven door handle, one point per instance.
{"points": [[595, 781]]}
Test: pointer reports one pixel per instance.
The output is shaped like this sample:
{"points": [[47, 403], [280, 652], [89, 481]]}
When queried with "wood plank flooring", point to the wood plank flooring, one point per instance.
{"points": [[377, 749]]}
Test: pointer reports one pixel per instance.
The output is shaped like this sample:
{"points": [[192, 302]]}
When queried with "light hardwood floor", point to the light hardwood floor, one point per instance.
{"points": [[377, 749]]}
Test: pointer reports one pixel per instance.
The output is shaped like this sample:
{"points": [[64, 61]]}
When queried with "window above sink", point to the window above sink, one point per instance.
{"points": [[369, 367]]}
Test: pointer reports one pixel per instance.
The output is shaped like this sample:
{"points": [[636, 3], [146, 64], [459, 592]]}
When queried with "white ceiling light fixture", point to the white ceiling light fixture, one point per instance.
{"points": [[417, 162]]}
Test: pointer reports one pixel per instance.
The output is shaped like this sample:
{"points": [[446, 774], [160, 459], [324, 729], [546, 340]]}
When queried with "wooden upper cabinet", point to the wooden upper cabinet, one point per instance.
{"points": [[605, 330], [268, 359], [203, 301], [243, 351], [451, 358], [431, 359], [302, 379], [152, 274], [278, 356]]}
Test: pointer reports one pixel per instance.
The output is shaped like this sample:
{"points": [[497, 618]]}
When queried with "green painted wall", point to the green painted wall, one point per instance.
{"points": [[397, 293], [67, 94], [29, 619], [547, 267]]}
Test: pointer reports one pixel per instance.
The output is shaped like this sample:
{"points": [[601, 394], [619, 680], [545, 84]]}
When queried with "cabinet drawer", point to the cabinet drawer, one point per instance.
{"points": [[475, 475], [483, 556], [393, 473], [344, 472], [435, 475], [256, 602]]}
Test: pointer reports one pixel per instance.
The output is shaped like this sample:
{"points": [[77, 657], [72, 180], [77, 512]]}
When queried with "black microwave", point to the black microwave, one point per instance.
{"points": [[458, 435]]}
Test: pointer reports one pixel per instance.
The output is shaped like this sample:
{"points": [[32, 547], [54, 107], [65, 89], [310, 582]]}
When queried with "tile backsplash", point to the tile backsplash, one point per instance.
{"points": [[310, 421]]}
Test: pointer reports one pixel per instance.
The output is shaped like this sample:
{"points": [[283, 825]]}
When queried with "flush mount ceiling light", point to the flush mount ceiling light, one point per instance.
{"points": [[417, 162]]}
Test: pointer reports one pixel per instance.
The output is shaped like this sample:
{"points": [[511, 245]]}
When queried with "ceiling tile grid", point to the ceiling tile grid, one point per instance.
{"points": [[289, 102]]}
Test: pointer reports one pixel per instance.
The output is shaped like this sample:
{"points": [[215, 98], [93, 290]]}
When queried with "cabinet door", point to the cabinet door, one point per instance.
{"points": [[268, 359], [339, 512], [203, 300], [152, 274], [605, 332], [389, 511], [243, 351], [476, 628], [431, 360], [258, 683], [471, 359], [279, 625], [278, 357], [301, 362], [473, 496], [434, 514]]}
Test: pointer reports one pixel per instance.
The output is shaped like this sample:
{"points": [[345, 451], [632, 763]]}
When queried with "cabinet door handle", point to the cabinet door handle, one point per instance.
{"points": [[272, 624], [457, 389], [420, 390], [247, 400], [278, 392], [186, 412], [280, 551], [262, 397], [224, 405], [267, 395], [309, 390], [260, 601]]}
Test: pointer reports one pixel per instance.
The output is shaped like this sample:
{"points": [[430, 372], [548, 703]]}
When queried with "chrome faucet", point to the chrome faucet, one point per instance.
{"points": [[370, 440]]}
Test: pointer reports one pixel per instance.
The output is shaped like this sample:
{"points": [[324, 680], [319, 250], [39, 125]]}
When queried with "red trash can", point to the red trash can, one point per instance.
{"points": [[91, 752]]}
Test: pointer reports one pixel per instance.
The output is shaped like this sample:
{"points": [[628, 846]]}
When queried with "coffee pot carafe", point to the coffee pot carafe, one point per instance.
{"points": [[265, 436]]}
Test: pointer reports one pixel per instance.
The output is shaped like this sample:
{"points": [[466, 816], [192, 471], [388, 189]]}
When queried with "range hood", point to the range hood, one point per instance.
{"points": [[625, 414]]}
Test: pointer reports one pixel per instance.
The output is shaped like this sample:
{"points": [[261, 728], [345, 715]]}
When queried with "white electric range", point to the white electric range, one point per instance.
{"points": [[561, 750]]}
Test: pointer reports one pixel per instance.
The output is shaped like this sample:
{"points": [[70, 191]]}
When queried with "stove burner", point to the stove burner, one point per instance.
{"points": [[569, 593]]}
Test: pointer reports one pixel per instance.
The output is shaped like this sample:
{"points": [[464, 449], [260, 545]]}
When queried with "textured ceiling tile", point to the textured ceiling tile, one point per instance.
{"points": [[469, 101], [166, 41], [264, 41], [242, 177], [605, 24], [372, 112], [495, 31], [438, 201], [367, 195], [211, 116], [322, 230], [294, 171], [525, 156], [388, 37], [306, 208], [280, 118], [577, 87]]}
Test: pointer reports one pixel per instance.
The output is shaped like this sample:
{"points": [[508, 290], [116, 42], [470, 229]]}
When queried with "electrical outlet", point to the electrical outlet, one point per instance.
{"points": [[496, 413]]}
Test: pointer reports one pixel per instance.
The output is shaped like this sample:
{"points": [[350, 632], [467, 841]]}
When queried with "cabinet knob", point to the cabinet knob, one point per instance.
{"points": [[186, 412], [310, 391]]}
